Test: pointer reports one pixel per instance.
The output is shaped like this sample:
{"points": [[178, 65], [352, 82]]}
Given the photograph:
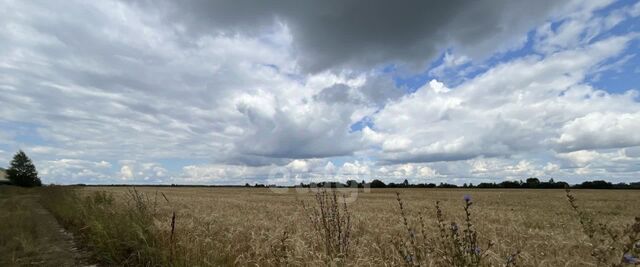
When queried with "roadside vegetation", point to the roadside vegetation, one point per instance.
{"points": [[18, 229], [29, 235], [411, 227], [115, 232]]}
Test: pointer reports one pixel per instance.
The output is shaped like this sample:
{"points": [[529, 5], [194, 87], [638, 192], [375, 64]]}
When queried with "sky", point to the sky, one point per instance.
{"points": [[283, 92]]}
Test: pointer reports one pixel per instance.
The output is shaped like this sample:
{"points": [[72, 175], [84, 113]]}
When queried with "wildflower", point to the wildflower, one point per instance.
{"points": [[454, 227], [475, 250], [628, 258], [467, 198], [409, 258]]}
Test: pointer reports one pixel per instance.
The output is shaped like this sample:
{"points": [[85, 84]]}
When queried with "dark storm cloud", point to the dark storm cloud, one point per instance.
{"points": [[362, 33]]}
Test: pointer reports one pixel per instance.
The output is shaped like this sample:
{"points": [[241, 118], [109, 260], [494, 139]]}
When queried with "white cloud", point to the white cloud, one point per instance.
{"points": [[580, 158], [515, 107], [126, 172], [579, 27], [74, 171], [601, 130], [126, 84]]}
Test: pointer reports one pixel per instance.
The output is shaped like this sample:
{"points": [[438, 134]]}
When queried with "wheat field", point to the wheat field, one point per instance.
{"points": [[257, 226]]}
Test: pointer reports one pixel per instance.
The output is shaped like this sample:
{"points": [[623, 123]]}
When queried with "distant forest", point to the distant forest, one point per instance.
{"points": [[528, 183], [533, 182]]}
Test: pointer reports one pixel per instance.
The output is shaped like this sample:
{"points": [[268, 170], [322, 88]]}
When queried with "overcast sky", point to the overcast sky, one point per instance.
{"points": [[229, 92]]}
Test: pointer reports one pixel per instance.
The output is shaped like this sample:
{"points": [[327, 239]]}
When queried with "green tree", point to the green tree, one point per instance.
{"points": [[533, 182], [22, 172], [377, 184]]}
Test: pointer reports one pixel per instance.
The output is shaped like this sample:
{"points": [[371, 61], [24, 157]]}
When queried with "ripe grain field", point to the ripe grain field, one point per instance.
{"points": [[256, 226]]}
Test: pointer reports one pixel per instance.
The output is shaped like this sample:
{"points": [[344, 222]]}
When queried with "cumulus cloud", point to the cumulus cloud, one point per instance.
{"points": [[515, 107], [599, 130], [75, 171], [230, 92]]}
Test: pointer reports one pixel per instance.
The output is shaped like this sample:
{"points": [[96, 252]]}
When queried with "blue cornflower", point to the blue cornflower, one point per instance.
{"points": [[477, 250], [467, 198], [628, 258], [409, 258]]}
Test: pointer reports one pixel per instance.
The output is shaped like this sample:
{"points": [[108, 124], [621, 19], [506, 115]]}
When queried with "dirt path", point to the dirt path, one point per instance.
{"points": [[54, 246]]}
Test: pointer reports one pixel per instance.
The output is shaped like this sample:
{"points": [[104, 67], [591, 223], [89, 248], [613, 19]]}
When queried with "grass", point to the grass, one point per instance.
{"points": [[18, 229], [611, 246], [455, 244], [28, 234], [116, 232], [331, 220], [236, 226], [411, 227]]}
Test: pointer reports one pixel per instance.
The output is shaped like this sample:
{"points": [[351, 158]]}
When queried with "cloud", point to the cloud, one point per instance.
{"points": [[228, 92], [126, 172], [69, 171], [599, 130], [142, 172], [580, 26], [293, 130], [360, 34], [514, 107], [121, 83]]}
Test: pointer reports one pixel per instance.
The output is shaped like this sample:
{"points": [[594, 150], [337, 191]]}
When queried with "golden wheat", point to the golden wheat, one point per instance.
{"points": [[256, 226]]}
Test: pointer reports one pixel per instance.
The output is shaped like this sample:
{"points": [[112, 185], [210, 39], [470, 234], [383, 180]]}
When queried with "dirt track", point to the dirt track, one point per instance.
{"points": [[54, 245]]}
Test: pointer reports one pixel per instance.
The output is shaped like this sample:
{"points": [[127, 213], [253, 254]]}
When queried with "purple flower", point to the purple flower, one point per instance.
{"points": [[409, 258], [628, 258], [467, 198], [475, 250]]}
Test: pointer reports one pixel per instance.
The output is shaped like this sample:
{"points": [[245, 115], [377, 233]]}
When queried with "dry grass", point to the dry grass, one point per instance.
{"points": [[29, 235], [238, 226]]}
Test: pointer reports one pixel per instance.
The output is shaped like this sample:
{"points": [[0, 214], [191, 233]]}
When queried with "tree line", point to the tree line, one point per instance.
{"points": [[532, 182]]}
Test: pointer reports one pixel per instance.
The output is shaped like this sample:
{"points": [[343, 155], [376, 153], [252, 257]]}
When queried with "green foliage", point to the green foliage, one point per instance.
{"points": [[22, 172], [377, 184]]}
